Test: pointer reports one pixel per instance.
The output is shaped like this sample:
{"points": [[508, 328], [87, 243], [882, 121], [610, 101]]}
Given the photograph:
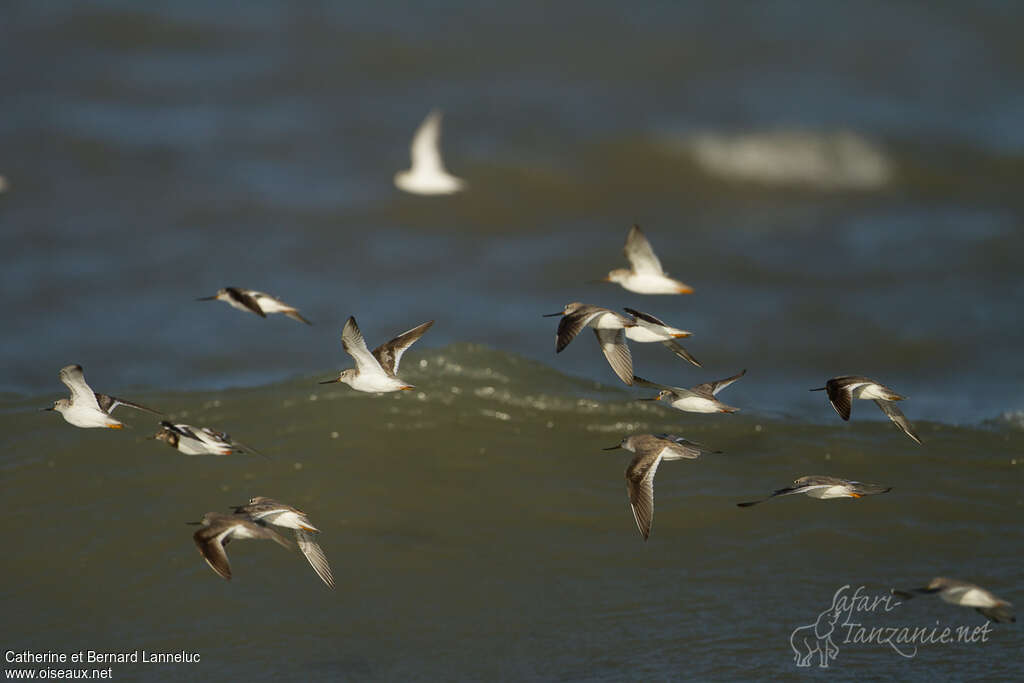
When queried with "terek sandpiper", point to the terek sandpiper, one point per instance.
{"points": [[199, 440], [819, 486], [265, 510], [87, 408], [256, 302], [698, 399], [610, 328], [650, 450], [841, 391], [645, 274], [428, 175], [966, 594], [376, 372], [218, 529]]}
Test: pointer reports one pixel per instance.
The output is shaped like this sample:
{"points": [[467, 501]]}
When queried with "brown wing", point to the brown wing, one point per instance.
{"points": [[640, 487], [208, 540], [571, 325], [840, 396], [389, 354], [716, 386]]}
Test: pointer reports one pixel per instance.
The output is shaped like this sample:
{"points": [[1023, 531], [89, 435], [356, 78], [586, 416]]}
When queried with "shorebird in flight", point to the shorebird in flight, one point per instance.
{"points": [[610, 328], [256, 302], [966, 594], [841, 391], [428, 175], [199, 440], [698, 399], [645, 274], [87, 408], [819, 486], [376, 372], [649, 451]]}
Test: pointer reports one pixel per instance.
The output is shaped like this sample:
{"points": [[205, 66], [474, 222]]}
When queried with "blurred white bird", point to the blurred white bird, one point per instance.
{"points": [[428, 175]]}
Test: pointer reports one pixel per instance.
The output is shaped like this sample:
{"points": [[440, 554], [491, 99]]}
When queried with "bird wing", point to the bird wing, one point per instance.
{"points": [[211, 541], [315, 555], [646, 317], [224, 439], [714, 387], [613, 345], [389, 354], [81, 393], [354, 344], [640, 487], [570, 325], [247, 299], [677, 348], [679, 448], [425, 149], [898, 418], [294, 315], [108, 403], [639, 253], [788, 491], [181, 430], [647, 383], [841, 397]]}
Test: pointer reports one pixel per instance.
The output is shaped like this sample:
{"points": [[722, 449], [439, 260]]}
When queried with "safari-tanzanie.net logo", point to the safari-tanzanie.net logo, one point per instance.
{"points": [[847, 622]]}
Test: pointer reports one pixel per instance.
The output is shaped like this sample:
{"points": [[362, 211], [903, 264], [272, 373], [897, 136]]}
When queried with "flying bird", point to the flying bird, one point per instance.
{"points": [[649, 451], [217, 530], [256, 302], [818, 486], [87, 408], [428, 175], [645, 274], [376, 372], [841, 391], [958, 592], [199, 440], [610, 328], [698, 399], [263, 510]]}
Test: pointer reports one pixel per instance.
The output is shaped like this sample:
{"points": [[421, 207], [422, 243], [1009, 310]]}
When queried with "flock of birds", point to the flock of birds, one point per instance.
{"points": [[377, 372]]}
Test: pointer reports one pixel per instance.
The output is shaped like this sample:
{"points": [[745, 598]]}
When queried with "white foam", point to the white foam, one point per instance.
{"points": [[837, 160]]}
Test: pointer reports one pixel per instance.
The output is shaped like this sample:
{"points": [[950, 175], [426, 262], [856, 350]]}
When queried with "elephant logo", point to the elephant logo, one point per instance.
{"points": [[817, 638]]}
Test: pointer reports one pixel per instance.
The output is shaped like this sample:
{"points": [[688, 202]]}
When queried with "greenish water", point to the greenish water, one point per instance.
{"points": [[477, 531]]}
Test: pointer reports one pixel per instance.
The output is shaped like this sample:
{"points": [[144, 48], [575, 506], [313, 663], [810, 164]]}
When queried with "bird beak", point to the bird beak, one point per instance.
{"points": [[612, 448], [818, 389], [330, 381], [206, 298], [45, 409], [193, 523], [656, 398], [551, 315]]}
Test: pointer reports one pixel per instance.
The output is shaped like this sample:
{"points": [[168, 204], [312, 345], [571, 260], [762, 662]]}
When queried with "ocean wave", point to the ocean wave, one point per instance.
{"points": [[825, 160]]}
